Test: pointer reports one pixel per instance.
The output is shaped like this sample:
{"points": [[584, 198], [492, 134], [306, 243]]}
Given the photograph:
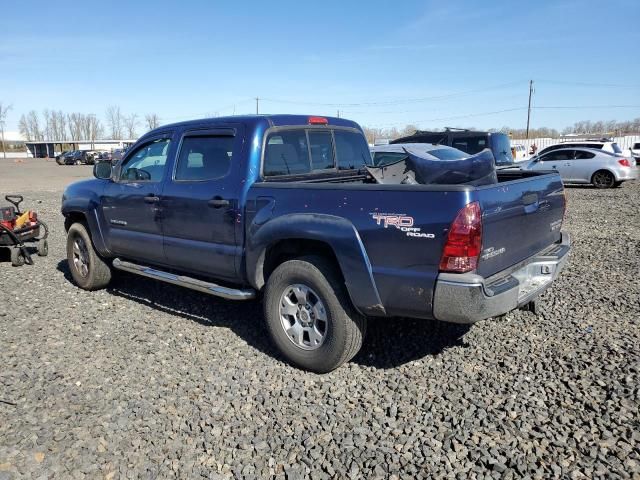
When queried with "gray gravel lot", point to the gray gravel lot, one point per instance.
{"points": [[146, 380]]}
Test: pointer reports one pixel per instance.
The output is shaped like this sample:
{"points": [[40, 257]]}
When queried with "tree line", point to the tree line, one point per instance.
{"points": [[56, 125], [610, 128]]}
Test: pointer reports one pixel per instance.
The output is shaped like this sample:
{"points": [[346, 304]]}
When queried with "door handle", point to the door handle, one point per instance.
{"points": [[218, 202], [151, 199]]}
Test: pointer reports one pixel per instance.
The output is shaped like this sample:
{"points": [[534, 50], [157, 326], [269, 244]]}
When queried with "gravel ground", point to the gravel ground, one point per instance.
{"points": [[146, 380]]}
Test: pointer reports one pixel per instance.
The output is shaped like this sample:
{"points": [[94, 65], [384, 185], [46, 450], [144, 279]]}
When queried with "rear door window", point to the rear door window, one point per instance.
{"points": [[204, 158]]}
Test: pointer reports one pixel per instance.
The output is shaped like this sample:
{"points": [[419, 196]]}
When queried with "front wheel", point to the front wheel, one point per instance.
{"points": [[88, 269], [603, 179], [309, 315]]}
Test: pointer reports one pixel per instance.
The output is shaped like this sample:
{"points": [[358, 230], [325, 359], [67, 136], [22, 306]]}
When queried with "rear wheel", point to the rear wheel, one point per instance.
{"points": [[603, 179], [88, 269], [309, 315], [17, 257], [43, 248]]}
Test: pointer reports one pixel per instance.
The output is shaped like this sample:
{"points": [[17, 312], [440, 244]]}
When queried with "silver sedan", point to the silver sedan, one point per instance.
{"points": [[586, 165]]}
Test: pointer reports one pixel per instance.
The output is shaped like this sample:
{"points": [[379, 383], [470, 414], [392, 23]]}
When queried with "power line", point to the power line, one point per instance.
{"points": [[587, 106], [588, 84], [456, 117], [393, 102]]}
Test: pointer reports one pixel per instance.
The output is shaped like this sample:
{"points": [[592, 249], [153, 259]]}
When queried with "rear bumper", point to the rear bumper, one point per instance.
{"points": [[627, 173], [467, 298]]}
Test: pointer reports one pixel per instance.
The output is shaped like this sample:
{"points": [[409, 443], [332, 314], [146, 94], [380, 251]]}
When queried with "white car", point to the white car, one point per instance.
{"points": [[600, 168], [607, 146]]}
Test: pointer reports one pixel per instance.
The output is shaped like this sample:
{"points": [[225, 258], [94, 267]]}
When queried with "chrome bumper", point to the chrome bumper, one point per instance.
{"points": [[467, 297]]}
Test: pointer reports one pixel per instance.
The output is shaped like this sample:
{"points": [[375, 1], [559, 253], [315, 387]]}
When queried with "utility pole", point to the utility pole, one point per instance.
{"points": [[338, 115], [529, 109], [257, 106]]}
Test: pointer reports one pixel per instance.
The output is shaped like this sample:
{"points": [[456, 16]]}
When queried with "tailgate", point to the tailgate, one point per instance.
{"points": [[519, 218]]}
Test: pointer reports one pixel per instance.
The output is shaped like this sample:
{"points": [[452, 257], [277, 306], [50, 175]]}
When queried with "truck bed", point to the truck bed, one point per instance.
{"points": [[522, 214]]}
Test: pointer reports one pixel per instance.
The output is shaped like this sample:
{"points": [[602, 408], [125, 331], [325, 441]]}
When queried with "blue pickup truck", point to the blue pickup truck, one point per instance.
{"points": [[281, 207]]}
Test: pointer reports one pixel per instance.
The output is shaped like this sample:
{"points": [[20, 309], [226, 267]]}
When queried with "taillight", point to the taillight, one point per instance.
{"points": [[464, 241], [624, 162]]}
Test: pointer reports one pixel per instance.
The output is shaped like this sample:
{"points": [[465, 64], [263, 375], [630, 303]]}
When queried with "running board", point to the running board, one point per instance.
{"points": [[188, 282]]}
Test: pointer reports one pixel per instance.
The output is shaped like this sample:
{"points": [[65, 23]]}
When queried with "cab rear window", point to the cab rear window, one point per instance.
{"points": [[303, 151]]}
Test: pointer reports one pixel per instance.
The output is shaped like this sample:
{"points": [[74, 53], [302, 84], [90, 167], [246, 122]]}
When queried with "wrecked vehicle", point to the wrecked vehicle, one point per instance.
{"points": [[283, 207], [426, 164]]}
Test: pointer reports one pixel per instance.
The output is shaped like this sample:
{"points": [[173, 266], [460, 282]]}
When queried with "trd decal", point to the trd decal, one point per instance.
{"points": [[402, 222]]}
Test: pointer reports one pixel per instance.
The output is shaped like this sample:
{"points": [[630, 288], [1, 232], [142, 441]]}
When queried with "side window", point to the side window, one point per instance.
{"points": [[584, 155], [321, 150], [559, 155], [147, 163], [352, 150], [204, 158]]}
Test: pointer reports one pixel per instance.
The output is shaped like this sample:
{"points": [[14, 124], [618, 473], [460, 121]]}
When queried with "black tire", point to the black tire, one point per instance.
{"points": [[43, 248], [88, 269], [17, 257], [603, 179], [617, 184], [345, 328]]}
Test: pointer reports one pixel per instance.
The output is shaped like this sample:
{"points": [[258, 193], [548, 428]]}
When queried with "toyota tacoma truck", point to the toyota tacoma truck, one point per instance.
{"points": [[281, 207]]}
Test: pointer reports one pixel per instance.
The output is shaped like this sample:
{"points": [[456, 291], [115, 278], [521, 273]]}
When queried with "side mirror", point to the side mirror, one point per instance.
{"points": [[102, 170]]}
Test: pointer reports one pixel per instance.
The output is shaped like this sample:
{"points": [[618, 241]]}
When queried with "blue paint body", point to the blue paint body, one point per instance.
{"points": [[386, 271]]}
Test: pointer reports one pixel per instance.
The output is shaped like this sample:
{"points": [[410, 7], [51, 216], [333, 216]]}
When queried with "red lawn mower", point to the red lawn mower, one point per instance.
{"points": [[18, 228]]}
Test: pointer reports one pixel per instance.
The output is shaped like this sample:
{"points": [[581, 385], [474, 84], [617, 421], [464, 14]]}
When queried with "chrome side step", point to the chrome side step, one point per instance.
{"points": [[188, 282]]}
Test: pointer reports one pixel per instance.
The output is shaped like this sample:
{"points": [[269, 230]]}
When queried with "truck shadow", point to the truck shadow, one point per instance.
{"points": [[389, 342]]}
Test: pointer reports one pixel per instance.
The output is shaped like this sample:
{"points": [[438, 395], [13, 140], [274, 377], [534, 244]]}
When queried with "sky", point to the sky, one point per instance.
{"points": [[384, 64]]}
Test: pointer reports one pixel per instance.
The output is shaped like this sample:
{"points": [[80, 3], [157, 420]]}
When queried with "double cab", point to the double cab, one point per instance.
{"points": [[282, 208]]}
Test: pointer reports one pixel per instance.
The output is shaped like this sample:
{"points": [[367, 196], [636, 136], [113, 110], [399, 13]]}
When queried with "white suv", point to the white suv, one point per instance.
{"points": [[635, 152]]}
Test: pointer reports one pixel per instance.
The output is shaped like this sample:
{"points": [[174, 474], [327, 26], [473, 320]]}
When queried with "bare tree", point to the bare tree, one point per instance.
{"points": [[4, 110], [34, 126], [130, 124], [75, 121], [114, 121], [152, 120]]}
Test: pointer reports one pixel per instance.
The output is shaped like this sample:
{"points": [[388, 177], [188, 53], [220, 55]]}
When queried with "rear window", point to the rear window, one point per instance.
{"points": [[446, 154], [471, 145], [616, 147], [300, 151]]}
